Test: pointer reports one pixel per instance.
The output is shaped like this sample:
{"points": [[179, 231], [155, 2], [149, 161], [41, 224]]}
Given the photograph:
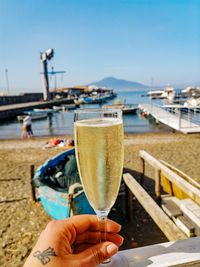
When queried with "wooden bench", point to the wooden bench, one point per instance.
{"points": [[189, 189], [178, 219]]}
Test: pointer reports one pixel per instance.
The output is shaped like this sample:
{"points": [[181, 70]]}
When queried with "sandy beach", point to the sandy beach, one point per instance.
{"points": [[21, 220]]}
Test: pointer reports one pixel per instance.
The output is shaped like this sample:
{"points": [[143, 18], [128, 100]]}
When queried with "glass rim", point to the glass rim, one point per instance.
{"points": [[98, 110]]}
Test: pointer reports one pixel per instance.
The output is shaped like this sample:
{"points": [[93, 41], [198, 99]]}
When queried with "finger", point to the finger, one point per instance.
{"points": [[82, 223], [117, 240], [71, 227], [97, 254], [95, 237]]}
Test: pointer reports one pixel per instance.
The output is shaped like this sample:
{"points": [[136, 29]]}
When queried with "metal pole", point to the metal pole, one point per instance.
{"points": [[179, 117], [44, 57], [45, 79], [33, 193], [7, 81]]}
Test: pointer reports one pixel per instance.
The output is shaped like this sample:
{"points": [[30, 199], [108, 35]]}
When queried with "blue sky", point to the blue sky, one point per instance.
{"points": [[138, 40]]}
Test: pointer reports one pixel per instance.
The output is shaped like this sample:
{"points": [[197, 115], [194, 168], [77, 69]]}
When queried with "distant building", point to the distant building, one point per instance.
{"points": [[76, 90]]}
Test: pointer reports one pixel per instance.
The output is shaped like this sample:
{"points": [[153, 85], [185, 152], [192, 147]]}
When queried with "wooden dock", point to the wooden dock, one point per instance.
{"points": [[172, 120], [11, 111]]}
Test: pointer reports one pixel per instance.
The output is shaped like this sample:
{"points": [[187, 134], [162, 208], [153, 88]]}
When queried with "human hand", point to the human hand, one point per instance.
{"points": [[74, 242]]}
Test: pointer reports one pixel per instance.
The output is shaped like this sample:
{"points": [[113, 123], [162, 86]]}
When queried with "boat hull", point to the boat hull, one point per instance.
{"points": [[57, 204], [47, 111], [126, 109]]}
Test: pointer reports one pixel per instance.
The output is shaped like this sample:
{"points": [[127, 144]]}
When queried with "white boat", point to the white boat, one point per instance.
{"points": [[46, 110], [34, 116], [155, 93], [125, 108], [169, 93], [79, 100], [192, 103], [166, 93], [191, 91], [68, 106], [57, 108]]}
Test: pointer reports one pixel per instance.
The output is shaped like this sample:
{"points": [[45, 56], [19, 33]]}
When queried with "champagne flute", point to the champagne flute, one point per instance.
{"points": [[99, 147]]}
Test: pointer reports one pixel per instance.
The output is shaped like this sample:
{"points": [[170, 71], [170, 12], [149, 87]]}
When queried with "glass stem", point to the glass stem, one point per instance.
{"points": [[102, 228], [102, 218]]}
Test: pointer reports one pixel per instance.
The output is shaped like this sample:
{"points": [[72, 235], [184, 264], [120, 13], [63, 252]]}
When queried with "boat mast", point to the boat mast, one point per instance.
{"points": [[7, 81]]}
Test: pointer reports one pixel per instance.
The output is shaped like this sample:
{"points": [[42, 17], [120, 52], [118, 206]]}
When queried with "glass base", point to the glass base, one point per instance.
{"points": [[116, 261], [106, 262]]}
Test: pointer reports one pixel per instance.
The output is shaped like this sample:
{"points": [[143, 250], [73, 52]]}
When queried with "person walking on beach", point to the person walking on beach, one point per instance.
{"points": [[75, 242], [27, 127]]}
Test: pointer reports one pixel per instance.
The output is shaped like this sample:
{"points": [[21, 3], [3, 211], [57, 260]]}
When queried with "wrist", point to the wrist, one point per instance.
{"points": [[39, 258]]}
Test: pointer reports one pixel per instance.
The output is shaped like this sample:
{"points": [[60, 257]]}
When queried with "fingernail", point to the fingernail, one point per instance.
{"points": [[112, 249]]}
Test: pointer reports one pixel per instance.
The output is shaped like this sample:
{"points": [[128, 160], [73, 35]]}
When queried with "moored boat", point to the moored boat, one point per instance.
{"points": [[191, 91], [126, 108], [69, 106], [166, 93], [58, 187], [97, 98], [57, 108], [45, 110], [155, 93], [193, 104], [34, 116]]}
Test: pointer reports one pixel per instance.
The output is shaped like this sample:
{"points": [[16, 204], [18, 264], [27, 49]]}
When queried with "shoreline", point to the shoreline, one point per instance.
{"points": [[22, 220], [168, 131]]}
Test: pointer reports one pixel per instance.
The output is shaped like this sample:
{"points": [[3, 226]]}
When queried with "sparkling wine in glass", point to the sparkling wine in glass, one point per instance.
{"points": [[99, 143]]}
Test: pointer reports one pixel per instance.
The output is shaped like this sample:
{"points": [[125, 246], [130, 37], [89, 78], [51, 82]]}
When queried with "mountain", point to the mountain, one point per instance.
{"points": [[115, 83]]}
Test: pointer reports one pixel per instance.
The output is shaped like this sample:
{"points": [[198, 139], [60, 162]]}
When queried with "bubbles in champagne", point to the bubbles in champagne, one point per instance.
{"points": [[99, 151]]}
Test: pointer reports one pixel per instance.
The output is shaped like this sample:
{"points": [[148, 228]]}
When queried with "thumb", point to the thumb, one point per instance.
{"points": [[98, 253]]}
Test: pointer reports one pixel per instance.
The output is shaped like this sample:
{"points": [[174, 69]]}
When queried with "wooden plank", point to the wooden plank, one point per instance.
{"points": [[185, 225], [170, 208], [186, 187], [157, 183], [142, 162], [172, 198], [192, 210], [171, 231], [182, 174], [128, 204], [187, 231]]}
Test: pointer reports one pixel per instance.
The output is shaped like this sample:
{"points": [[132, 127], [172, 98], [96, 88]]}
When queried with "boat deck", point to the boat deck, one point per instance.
{"points": [[170, 119]]}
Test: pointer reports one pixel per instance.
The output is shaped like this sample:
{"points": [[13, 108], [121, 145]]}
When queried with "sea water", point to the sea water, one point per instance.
{"points": [[61, 123]]}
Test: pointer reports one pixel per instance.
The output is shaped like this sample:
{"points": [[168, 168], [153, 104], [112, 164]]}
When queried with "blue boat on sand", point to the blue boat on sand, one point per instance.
{"points": [[58, 188]]}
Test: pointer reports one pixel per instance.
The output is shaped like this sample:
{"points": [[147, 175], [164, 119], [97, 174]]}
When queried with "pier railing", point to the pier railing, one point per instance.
{"points": [[192, 116], [186, 120]]}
